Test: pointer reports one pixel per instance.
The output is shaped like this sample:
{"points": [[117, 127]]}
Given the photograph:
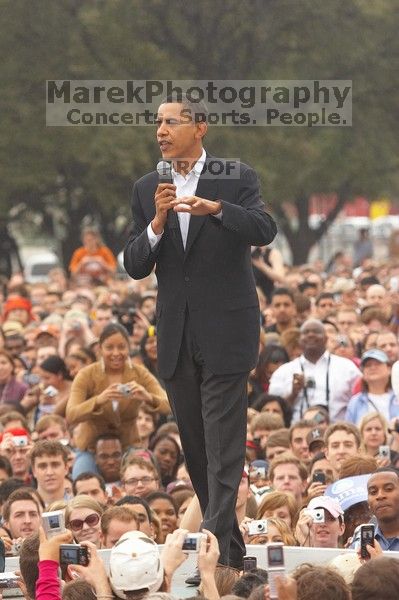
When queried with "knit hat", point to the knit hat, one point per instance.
{"points": [[15, 303]]}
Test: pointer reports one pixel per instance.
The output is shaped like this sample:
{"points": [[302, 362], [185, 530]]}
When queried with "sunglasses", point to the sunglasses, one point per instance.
{"points": [[91, 520]]}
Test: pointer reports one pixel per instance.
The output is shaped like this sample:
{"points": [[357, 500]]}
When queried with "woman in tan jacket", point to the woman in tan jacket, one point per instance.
{"points": [[106, 395]]}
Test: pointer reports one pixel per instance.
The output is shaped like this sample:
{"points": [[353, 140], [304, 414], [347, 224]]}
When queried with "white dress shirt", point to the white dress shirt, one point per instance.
{"points": [[342, 374], [186, 185]]}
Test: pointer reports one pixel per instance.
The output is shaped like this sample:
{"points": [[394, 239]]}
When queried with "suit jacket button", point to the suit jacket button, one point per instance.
{"points": [[186, 278]]}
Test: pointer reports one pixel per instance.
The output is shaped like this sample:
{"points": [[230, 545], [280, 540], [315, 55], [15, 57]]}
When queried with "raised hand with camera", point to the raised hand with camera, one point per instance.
{"points": [[208, 557], [49, 548], [298, 383], [302, 529], [112, 392], [94, 573], [173, 555]]}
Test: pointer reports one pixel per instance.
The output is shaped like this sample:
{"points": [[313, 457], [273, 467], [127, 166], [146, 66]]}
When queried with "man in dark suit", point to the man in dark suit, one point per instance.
{"points": [[198, 232]]}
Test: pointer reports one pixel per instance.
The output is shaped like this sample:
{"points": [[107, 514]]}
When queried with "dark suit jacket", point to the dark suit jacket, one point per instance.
{"points": [[212, 278]]}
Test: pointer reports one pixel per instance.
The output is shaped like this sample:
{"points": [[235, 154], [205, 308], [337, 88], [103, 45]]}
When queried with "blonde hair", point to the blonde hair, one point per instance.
{"points": [[283, 529], [82, 501], [369, 417], [57, 505]]}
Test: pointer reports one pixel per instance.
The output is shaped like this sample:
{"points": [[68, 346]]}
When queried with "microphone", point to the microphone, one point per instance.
{"points": [[164, 172], [165, 176]]}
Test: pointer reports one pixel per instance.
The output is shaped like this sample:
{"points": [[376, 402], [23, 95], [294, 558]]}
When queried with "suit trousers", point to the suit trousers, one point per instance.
{"points": [[211, 413]]}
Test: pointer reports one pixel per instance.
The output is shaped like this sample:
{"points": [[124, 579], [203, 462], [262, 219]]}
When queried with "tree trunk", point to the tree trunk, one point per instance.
{"points": [[302, 238]]}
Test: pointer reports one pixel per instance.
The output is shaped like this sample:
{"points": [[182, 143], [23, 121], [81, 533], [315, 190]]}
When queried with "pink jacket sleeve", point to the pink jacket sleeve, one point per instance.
{"points": [[48, 586]]}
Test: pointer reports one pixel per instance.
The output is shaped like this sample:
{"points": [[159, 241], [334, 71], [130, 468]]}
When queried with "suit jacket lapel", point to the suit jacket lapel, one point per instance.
{"points": [[175, 233], [207, 189]]}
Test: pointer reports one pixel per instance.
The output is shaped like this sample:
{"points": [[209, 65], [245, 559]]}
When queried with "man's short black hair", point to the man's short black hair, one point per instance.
{"points": [[132, 500], [8, 486], [248, 582], [388, 469], [107, 436], [369, 280], [85, 477], [327, 322], [196, 107], [324, 296], [283, 291], [307, 285]]}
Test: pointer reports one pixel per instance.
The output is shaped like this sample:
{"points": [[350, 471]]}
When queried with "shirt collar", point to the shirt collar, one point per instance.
{"points": [[323, 358], [196, 170]]}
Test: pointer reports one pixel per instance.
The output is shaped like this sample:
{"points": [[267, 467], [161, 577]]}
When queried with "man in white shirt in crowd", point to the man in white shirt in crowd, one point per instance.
{"points": [[317, 377]]}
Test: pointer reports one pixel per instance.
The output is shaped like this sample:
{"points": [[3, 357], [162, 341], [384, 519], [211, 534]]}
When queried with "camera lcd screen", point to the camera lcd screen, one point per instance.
{"points": [[70, 556], [190, 543], [275, 556], [54, 522]]}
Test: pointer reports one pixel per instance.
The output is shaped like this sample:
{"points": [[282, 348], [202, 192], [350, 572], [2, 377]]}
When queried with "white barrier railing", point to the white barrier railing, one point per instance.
{"points": [[293, 555]]}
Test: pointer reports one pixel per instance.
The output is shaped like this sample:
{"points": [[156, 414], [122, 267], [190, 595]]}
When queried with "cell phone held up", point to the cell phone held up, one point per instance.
{"points": [[250, 562], [366, 539], [319, 477], [275, 566]]}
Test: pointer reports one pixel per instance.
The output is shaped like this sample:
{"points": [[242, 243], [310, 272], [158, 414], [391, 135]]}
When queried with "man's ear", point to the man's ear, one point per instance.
{"points": [[201, 129]]}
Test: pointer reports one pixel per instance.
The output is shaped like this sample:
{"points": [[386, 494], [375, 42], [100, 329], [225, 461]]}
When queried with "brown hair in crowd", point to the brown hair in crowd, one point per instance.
{"points": [[284, 459], [280, 437], [29, 563], [23, 493], [276, 500], [317, 581], [48, 448], [377, 580], [342, 426], [119, 513], [76, 590], [48, 420], [140, 462], [267, 421], [360, 464]]}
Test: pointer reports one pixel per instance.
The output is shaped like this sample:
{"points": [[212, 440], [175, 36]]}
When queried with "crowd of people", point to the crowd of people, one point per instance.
{"points": [[86, 428]]}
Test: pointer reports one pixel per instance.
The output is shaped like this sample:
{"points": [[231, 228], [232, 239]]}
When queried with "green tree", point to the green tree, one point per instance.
{"points": [[81, 172]]}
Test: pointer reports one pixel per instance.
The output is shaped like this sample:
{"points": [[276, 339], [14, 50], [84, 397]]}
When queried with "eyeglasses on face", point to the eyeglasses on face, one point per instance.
{"points": [[91, 521], [136, 480]]}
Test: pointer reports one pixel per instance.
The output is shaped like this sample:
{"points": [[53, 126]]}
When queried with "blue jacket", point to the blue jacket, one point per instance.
{"points": [[359, 406]]}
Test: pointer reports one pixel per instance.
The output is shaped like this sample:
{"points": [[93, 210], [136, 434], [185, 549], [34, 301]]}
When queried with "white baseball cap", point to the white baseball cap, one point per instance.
{"points": [[135, 564], [328, 503]]}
